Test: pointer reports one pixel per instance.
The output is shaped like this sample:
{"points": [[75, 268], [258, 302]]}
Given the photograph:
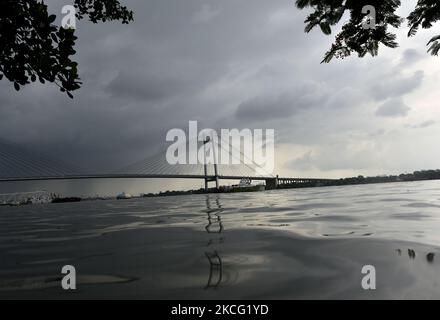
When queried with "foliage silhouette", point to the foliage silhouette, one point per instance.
{"points": [[33, 48], [354, 38]]}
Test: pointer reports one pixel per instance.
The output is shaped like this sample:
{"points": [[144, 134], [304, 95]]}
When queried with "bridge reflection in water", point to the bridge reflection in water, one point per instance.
{"points": [[214, 227]]}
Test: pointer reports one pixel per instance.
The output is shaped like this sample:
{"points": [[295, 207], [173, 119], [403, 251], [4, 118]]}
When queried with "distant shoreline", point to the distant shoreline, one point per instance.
{"points": [[423, 175]]}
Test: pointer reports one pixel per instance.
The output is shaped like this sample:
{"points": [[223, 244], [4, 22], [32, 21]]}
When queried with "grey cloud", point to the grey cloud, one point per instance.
{"points": [[205, 13], [395, 86], [305, 162], [422, 125], [426, 124], [135, 85], [337, 156], [266, 108], [284, 105], [394, 108], [411, 56]]}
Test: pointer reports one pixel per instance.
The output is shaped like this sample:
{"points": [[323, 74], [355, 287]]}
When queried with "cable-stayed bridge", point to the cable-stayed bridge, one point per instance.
{"points": [[17, 164]]}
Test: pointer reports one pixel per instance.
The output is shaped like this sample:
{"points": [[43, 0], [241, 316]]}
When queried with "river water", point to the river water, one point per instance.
{"points": [[281, 244]]}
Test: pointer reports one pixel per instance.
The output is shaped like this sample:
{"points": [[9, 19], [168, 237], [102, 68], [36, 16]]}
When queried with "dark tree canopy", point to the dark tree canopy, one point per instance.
{"points": [[33, 47], [354, 38]]}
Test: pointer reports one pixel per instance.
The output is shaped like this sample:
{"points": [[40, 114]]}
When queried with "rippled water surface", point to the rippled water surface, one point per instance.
{"points": [[284, 244]]}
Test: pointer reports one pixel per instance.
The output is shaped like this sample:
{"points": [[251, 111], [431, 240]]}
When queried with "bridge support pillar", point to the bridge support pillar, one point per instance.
{"points": [[272, 183], [216, 175], [207, 180], [215, 178]]}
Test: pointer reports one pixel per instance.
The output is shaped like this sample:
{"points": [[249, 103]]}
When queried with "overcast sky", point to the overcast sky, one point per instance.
{"points": [[234, 63]]}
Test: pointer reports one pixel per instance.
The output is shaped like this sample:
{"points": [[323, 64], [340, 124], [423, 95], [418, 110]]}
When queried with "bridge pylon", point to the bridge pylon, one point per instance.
{"points": [[205, 166]]}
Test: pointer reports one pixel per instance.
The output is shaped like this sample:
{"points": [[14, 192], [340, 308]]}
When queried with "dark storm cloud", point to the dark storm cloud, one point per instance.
{"points": [[266, 108], [231, 63], [141, 80], [135, 85], [286, 104]]}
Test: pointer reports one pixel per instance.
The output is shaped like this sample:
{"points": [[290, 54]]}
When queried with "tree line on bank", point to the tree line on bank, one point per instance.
{"points": [[415, 176]]}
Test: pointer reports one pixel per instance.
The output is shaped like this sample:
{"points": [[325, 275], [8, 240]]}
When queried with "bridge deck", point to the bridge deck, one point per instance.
{"points": [[153, 176]]}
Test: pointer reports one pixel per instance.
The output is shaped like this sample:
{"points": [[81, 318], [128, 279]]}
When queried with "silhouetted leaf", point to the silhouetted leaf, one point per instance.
{"points": [[325, 28]]}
